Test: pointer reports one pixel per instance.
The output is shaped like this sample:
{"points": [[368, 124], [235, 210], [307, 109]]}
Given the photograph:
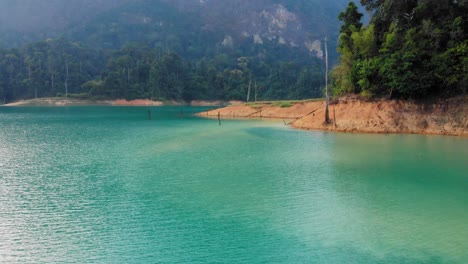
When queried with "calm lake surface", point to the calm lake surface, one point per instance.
{"points": [[106, 185]]}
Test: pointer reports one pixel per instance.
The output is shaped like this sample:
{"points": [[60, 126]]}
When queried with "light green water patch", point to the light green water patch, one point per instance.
{"points": [[106, 185]]}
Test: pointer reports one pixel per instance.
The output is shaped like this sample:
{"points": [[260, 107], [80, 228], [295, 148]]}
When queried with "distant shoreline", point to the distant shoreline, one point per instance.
{"points": [[355, 115], [60, 101], [348, 114]]}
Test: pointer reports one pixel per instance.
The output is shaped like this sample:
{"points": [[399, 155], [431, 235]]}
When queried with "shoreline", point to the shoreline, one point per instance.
{"points": [[116, 102], [355, 115], [348, 114]]}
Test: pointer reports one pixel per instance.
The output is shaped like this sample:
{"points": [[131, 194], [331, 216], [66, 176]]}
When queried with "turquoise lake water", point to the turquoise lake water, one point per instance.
{"points": [[106, 185]]}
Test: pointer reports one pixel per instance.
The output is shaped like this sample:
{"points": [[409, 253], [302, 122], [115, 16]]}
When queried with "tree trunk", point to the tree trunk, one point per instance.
{"points": [[66, 80], [51, 71], [327, 116], [255, 87], [128, 75], [248, 89]]}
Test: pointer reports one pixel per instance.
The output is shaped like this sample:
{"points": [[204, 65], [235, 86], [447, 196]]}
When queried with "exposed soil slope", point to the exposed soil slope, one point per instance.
{"points": [[448, 117]]}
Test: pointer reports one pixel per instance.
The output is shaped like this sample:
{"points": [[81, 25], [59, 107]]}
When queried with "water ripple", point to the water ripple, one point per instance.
{"points": [[104, 185]]}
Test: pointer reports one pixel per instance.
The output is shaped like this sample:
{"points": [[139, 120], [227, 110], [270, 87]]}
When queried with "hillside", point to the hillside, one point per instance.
{"points": [[411, 50], [167, 50], [188, 27]]}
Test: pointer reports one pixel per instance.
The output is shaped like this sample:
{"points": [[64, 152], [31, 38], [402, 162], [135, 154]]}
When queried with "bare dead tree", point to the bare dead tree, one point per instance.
{"points": [[66, 79], [249, 88], [327, 116], [255, 87]]}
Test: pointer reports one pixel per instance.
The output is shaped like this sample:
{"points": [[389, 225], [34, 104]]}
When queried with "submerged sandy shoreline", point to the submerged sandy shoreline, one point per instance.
{"points": [[448, 117]]}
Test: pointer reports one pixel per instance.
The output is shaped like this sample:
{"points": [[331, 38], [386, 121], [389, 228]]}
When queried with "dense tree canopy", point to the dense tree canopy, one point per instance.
{"points": [[60, 67], [178, 49], [411, 49]]}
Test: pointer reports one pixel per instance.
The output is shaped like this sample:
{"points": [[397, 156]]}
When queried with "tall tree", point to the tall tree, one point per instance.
{"points": [[406, 50], [351, 19]]}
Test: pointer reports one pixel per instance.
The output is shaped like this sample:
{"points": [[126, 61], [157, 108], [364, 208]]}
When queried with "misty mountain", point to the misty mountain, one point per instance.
{"points": [[192, 28], [23, 21], [166, 49]]}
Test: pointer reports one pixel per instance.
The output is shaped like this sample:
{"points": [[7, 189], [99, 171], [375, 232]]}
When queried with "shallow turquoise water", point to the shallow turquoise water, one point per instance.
{"points": [[106, 185]]}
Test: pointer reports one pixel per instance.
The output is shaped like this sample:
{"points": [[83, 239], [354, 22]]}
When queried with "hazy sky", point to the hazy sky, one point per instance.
{"points": [[33, 15]]}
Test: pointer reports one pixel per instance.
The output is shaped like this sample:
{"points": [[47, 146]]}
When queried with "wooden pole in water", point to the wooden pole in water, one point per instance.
{"points": [[149, 110], [150, 103], [219, 118]]}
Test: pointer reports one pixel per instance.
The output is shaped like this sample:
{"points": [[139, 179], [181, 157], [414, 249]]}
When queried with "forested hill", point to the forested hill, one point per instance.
{"points": [[178, 49], [181, 25], [411, 49]]}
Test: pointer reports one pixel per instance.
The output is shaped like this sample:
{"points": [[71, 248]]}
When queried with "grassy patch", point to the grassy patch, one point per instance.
{"points": [[255, 105], [82, 96], [281, 103], [285, 104]]}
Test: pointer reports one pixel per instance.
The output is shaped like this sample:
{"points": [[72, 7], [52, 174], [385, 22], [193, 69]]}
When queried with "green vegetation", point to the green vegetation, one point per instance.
{"points": [[283, 104], [167, 50], [411, 49], [54, 67]]}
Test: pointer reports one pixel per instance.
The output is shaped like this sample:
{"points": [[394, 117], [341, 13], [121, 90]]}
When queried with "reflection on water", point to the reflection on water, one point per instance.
{"points": [[104, 184]]}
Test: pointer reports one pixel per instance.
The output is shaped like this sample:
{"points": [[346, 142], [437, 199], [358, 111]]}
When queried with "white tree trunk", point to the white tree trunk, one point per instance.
{"points": [[327, 116], [66, 80], [248, 90], [255, 87]]}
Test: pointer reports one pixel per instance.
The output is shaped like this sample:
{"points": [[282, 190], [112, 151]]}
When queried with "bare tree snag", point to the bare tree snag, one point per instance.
{"points": [[327, 116], [248, 90]]}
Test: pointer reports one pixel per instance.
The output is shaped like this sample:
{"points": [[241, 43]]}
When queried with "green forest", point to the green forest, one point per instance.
{"points": [[60, 67], [155, 49], [411, 49]]}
